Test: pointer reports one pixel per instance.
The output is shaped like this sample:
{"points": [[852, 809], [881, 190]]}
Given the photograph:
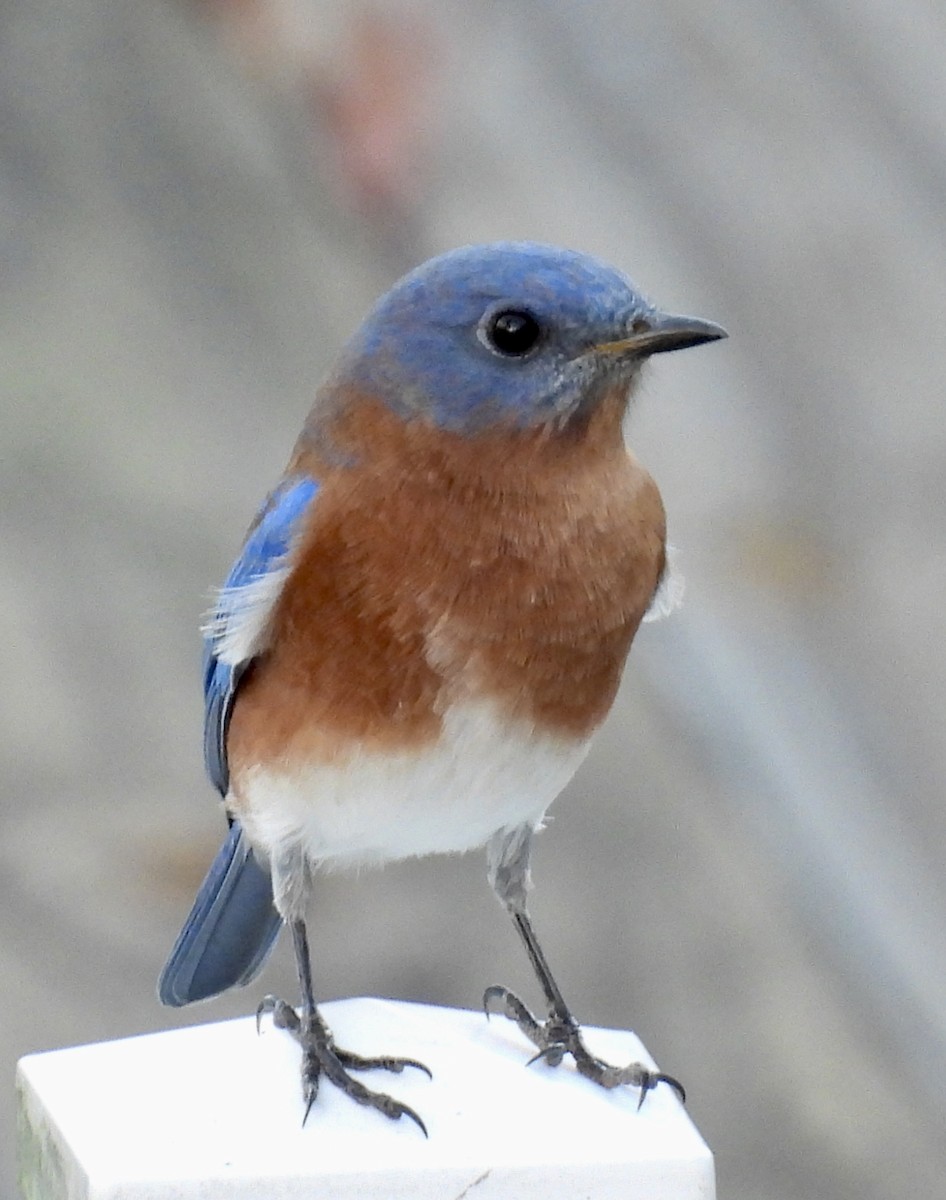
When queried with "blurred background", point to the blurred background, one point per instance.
{"points": [[198, 200]]}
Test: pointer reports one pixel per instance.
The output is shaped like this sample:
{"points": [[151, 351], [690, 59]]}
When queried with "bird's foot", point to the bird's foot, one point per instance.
{"points": [[561, 1035], [321, 1057]]}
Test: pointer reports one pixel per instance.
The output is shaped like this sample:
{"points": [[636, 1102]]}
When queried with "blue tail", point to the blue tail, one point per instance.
{"points": [[230, 931]]}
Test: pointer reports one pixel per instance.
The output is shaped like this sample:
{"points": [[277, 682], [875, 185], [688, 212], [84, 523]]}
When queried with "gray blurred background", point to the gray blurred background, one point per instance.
{"points": [[198, 200]]}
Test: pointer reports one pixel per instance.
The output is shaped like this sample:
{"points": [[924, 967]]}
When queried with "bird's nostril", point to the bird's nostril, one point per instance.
{"points": [[639, 325]]}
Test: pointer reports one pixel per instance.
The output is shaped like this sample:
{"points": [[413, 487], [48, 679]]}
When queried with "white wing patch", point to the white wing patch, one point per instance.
{"points": [[238, 623], [669, 594]]}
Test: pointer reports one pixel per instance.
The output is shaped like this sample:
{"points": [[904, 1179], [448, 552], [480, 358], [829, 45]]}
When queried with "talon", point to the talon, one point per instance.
{"points": [[652, 1078], [309, 1095], [560, 1034], [266, 1005], [321, 1057], [672, 1083], [552, 1054], [355, 1062], [406, 1111], [494, 992]]}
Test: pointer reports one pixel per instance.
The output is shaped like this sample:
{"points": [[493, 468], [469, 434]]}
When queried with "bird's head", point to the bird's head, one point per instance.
{"points": [[509, 334]]}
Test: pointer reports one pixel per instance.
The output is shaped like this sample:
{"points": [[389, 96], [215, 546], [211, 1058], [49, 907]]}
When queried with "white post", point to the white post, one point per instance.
{"points": [[216, 1111]]}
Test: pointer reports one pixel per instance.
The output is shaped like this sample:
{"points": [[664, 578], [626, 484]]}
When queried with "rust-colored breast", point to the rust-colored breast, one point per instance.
{"points": [[439, 568]]}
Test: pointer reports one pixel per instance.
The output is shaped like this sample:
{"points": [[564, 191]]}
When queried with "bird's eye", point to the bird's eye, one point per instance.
{"points": [[512, 332]]}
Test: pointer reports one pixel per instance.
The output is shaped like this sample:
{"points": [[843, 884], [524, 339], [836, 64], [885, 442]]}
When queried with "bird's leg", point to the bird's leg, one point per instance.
{"points": [[320, 1056], [508, 855]]}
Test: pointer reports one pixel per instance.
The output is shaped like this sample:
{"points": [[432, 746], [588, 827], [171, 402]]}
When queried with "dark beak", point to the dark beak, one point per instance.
{"points": [[658, 332]]}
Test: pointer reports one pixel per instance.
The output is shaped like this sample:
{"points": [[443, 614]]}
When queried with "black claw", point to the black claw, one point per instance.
{"points": [[673, 1083], [405, 1111], [494, 992], [552, 1055], [650, 1081], [355, 1062], [560, 1034], [418, 1066], [266, 1005], [322, 1057]]}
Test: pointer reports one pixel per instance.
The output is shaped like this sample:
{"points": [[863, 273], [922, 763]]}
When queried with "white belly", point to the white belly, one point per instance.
{"points": [[485, 773]]}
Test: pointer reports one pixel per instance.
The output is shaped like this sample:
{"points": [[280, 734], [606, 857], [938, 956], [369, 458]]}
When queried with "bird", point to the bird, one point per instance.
{"points": [[429, 618]]}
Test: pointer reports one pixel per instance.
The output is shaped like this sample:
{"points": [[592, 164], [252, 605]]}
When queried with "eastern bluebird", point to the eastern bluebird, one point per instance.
{"points": [[430, 616]]}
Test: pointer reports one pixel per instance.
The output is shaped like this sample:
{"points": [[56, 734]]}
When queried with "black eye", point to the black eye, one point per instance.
{"points": [[512, 332]]}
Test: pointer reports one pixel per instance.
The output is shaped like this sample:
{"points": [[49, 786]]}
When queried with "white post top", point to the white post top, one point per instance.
{"points": [[216, 1111]]}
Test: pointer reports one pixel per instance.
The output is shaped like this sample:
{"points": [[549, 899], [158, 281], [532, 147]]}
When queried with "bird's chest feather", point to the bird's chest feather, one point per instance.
{"points": [[481, 773], [454, 574]]}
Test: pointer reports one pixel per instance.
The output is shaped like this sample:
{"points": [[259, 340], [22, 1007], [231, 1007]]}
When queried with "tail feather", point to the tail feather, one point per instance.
{"points": [[229, 932]]}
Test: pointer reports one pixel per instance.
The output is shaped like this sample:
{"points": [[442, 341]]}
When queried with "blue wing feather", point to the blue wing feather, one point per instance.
{"points": [[233, 925], [229, 932], [264, 551]]}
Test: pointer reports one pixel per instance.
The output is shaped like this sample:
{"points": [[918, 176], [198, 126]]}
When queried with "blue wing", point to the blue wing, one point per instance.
{"points": [[254, 580], [233, 925], [229, 932]]}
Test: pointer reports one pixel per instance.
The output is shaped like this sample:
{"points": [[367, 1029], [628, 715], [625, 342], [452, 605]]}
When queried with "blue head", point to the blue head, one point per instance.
{"points": [[512, 333]]}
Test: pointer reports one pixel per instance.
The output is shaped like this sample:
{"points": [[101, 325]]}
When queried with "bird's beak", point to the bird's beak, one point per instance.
{"points": [[658, 332]]}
